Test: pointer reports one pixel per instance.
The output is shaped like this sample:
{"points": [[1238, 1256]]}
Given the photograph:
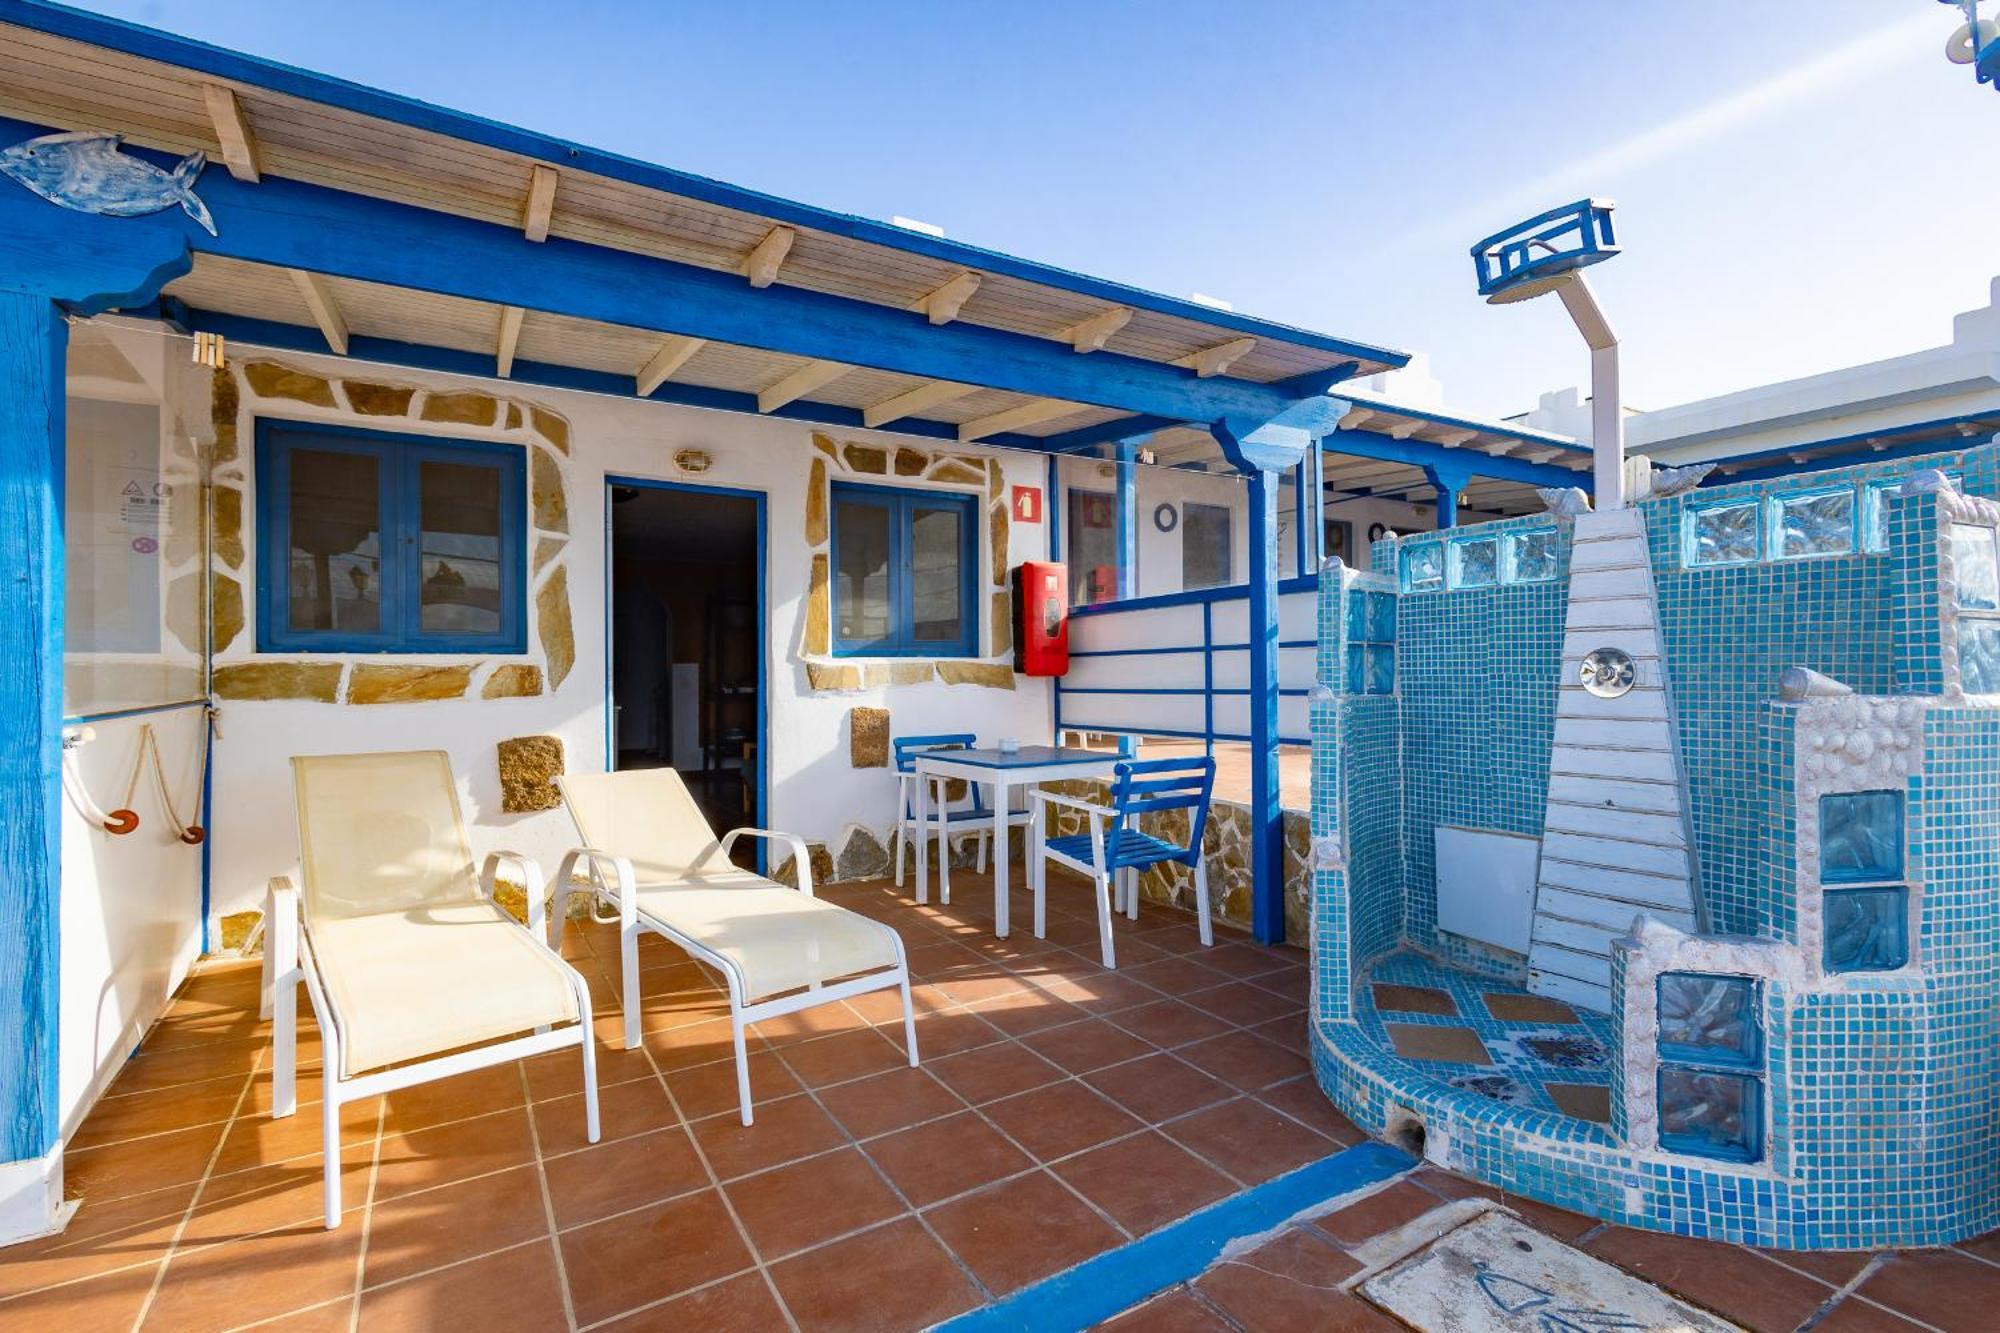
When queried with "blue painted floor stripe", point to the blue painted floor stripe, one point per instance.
{"points": [[1118, 1279]]}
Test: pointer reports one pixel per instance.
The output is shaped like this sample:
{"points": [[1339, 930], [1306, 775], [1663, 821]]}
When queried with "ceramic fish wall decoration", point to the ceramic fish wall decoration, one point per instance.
{"points": [[86, 171]]}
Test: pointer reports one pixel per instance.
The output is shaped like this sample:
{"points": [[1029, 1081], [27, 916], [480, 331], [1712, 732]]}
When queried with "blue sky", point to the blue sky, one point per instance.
{"points": [[1800, 186]]}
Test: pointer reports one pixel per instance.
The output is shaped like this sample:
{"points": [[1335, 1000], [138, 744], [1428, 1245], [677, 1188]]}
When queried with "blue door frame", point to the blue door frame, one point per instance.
{"points": [[762, 502]]}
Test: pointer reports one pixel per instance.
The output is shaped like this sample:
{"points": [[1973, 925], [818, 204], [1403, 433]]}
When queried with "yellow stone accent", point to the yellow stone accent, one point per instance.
{"points": [[183, 610], [547, 549], [997, 521], [236, 928], [225, 611], [816, 504], [529, 767], [993, 479], [1003, 624], [462, 409], [378, 400], [552, 621], [551, 427], [372, 684], [911, 462], [868, 737], [826, 446], [551, 508], [911, 673], [514, 417], [866, 458], [224, 403], [819, 610], [513, 680], [992, 675], [823, 676], [957, 470], [316, 681], [271, 380]]}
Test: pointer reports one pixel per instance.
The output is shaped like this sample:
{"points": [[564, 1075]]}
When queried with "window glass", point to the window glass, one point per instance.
{"points": [[934, 573], [1475, 562], [1092, 520], [336, 541], [1723, 535], [1423, 568], [1973, 560], [862, 568], [1532, 555], [458, 553], [1204, 545], [1815, 524]]}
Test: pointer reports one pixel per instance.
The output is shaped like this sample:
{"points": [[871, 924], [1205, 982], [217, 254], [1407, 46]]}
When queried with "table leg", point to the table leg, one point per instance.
{"points": [[1001, 804], [923, 785]]}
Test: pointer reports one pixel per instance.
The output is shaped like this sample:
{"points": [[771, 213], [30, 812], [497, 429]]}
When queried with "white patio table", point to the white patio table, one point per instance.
{"points": [[1001, 770]]}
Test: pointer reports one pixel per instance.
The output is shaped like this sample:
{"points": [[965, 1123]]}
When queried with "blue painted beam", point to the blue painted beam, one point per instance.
{"points": [[1448, 482], [294, 225], [1085, 438], [218, 62], [1422, 453]]}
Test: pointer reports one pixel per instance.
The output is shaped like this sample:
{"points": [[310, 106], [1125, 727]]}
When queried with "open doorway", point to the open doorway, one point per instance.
{"points": [[687, 643]]}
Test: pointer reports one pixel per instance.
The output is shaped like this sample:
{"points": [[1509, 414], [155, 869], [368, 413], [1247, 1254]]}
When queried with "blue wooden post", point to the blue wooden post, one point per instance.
{"points": [[33, 338], [1447, 481]]}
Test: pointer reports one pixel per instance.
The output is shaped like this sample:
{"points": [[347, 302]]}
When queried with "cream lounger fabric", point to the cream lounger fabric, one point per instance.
{"points": [[415, 973], [648, 851]]}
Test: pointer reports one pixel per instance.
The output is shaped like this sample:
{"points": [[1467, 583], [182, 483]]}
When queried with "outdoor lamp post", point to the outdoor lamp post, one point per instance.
{"points": [[1548, 253]]}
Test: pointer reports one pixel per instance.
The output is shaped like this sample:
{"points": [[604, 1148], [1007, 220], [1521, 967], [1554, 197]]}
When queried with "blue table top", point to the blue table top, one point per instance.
{"points": [[1028, 756]]}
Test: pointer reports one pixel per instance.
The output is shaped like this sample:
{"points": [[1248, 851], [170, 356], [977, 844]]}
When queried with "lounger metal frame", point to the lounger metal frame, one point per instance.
{"points": [[611, 879], [289, 961]]}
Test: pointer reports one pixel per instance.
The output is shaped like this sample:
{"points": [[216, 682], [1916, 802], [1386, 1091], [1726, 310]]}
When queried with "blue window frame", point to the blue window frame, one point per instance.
{"points": [[905, 563], [373, 542]]}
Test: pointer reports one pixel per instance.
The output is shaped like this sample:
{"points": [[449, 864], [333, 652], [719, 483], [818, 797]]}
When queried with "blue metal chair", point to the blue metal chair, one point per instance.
{"points": [[1116, 850], [971, 817]]}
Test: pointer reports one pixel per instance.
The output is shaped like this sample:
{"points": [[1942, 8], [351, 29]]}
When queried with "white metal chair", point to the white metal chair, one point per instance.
{"points": [[971, 818], [651, 855], [413, 971], [1115, 850]]}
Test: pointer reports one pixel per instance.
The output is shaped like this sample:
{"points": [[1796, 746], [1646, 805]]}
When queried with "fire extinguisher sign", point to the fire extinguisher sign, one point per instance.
{"points": [[1027, 504]]}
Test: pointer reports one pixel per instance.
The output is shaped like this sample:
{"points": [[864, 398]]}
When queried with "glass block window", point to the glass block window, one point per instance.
{"points": [[1709, 1019], [1810, 525], [1531, 555], [1860, 837], [1475, 562], [1867, 930], [1381, 669], [1371, 642], [1979, 655], [1711, 1113], [1875, 510], [1381, 617], [1357, 668], [1423, 568], [1722, 534], [1977, 563]]}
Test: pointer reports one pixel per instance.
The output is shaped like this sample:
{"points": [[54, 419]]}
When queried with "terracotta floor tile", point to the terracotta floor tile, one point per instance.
{"points": [[1091, 1044], [516, 1289], [983, 980], [248, 1280], [479, 1092], [1245, 1062], [994, 1071], [791, 1207], [1090, 988], [803, 1025], [891, 1101], [259, 1140], [1249, 960], [1022, 1230], [1144, 1181], [941, 1158], [623, 1109], [1290, 1282], [1739, 1284], [148, 1070], [1581, 1101], [1241, 1003], [1941, 1287], [1414, 1000], [182, 1106], [1293, 1031], [1027, 1011], [114, 1233], [1248, 1140], [693, 1044], [560, 1073], [1294, 984], [1060, 1119], [735, 1305], [612, 1177], [1169, 1023], [659, 1251], [887, 1280], [106, 1304], [1450, 1044], [943, 1034], [1303, 1100], [418, 1232], [334, 1316], [1384, 1210], [1855, 1315], [785, 1131], [428, 1157], [848, 1055], [264, 1198], [1159, 1087], [1835, 1267], [1176, 975], [1512, 1007], [137, 1166], [1178, 1310], [711, 1089]]}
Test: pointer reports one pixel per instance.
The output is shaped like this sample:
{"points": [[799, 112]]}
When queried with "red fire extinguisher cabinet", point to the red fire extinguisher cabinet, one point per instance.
{"points": [[1041, 618]]}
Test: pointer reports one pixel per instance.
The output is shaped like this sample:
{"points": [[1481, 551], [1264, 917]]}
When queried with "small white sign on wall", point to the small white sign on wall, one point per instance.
{"points": [[1486, 885]]}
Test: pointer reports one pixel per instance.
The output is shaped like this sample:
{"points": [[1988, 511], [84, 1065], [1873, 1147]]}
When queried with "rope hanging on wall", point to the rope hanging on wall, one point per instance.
{"points": [[191, 834], [118, 821], [125, 819]]}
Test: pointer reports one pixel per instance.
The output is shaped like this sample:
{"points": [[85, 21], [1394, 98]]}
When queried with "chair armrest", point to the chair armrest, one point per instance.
{"points": [[620, 882], [798, 845], [1050, 798], [532, 885], [281, 938]]}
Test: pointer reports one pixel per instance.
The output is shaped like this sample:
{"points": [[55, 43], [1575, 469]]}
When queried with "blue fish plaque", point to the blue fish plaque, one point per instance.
{"points": [[86, 171]]}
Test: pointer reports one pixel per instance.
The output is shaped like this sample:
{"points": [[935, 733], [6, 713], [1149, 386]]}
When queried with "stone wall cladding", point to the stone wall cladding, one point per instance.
{"points": [[243, 392]]}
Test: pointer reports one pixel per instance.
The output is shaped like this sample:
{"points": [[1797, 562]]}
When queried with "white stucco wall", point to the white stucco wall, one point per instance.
{"points": [[813, 789]]}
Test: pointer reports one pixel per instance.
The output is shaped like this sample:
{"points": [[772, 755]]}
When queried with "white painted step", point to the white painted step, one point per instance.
{"points": [[1615, 844]]}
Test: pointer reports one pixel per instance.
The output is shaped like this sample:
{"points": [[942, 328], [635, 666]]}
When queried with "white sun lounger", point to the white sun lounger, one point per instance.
{"points": [[414, 972], [650, 854]]}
